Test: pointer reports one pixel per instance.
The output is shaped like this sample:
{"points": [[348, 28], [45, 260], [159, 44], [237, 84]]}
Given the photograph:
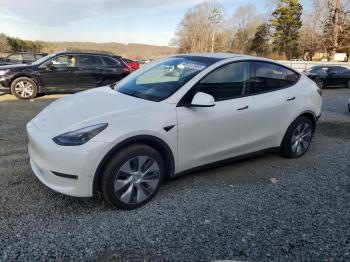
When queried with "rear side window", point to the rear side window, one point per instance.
{"points": [[227, 82], [28, 57], [269, 77], [89, 60], [110, 61], [15, 57]]}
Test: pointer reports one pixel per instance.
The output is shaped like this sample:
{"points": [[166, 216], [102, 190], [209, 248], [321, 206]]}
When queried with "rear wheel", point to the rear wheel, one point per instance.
{"points": [[349, 83], [133, 177], [297, 138], [24, 88]]}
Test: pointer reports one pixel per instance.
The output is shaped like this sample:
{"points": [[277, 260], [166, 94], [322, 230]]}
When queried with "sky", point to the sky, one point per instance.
{"points": [[123, 21]]}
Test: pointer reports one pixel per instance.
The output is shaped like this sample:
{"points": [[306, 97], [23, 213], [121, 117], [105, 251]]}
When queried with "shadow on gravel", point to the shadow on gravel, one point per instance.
{"points": [[339, 130]]}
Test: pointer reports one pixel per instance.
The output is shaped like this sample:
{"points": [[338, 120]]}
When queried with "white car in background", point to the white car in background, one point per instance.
{"points": [[169, 117]]}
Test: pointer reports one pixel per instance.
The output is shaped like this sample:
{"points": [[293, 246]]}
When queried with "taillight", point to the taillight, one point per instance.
{"points": [[127, 70]]}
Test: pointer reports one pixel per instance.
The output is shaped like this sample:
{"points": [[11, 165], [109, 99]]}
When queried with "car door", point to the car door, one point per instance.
{"points": [[59, 74], [112, 70], [272, 106], [335, 77], [89, 71], [209, 134]]}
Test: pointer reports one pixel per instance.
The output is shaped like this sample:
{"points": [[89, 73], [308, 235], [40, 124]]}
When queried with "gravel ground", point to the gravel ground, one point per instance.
{"points": [[262, 209]]}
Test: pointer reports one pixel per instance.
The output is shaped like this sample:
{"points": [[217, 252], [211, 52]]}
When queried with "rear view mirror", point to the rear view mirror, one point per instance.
{"points": [[201, 99]]}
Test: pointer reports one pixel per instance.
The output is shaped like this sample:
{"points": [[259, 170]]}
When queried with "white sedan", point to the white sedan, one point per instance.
{"points": [[169, 117]]}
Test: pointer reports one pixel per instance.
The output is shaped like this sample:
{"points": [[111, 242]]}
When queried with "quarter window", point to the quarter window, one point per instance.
{"points": [[269, 77], [227, 82]]}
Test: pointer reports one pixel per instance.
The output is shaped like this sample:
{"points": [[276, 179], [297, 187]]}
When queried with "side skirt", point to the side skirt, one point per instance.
{"points": [[226, 161]]}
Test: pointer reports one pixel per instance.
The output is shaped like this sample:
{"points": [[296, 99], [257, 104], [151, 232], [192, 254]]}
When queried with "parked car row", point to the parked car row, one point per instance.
{"points": [[63, 72]]}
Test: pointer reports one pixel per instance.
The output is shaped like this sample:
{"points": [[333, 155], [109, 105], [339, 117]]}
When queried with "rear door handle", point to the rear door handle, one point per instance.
{"points": [[242, 108], [291, 99]]}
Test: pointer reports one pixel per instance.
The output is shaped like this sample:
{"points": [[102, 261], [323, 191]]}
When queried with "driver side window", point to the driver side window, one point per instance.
{"points": [[227, 82], [64, 61]]}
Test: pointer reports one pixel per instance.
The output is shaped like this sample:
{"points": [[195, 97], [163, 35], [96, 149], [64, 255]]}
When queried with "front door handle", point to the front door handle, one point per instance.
{"points": [[242, 108], [291, 99]]}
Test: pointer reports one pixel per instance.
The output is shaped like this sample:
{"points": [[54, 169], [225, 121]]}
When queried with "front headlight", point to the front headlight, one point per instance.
{"points": [[80, 136], [4, 72]]}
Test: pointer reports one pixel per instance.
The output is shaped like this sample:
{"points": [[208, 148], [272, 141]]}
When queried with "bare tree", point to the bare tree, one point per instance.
{"points": [[200, 28], [245, 20]]}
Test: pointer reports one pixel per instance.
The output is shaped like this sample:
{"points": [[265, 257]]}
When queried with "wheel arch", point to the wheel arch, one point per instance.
{"points": [[31, 77], [308, 114], [152, 141]]}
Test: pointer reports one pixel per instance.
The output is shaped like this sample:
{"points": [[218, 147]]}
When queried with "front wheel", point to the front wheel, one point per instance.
{"points": [[24, 88], [297, 138], [132, 177]]}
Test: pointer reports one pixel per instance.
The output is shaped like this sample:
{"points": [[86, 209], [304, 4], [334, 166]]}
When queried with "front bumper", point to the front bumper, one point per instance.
{"points": [[4, 88], [68, 170]]}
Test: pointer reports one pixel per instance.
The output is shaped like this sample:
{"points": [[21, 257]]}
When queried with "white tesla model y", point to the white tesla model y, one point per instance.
{"points": [[171, 116]]}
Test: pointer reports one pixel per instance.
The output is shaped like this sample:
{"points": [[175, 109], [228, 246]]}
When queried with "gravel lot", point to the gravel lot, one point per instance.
{"points": [[261, 209]]}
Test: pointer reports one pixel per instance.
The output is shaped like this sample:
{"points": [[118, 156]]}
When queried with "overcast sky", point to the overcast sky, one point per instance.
{"points": [[124, 21]]}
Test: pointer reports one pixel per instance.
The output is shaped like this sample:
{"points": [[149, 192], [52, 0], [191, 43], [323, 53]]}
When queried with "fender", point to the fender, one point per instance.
{"points": [[156, 142]]}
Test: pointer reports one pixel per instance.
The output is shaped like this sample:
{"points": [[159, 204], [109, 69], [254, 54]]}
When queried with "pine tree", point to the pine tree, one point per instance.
{"points": [[260, 43], [286, 22]]}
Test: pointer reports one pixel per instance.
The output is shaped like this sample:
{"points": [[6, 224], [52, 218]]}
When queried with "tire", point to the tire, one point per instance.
{"points": [[348, 84], [125, 183], [320, 83], [298, 138], [24, 88]]}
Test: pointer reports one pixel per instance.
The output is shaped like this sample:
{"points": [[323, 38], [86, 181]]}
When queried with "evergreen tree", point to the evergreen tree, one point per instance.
{"points": [[260, 43], [286, 22]]}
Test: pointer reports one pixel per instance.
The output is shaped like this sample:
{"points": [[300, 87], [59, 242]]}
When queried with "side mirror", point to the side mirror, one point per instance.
{"points": [[201, 99]]}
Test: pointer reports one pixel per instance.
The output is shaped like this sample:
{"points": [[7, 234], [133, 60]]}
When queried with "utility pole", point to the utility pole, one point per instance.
{"points": [[212, 41]]}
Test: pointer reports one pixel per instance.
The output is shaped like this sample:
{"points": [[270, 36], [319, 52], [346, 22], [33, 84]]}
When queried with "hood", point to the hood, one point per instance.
{"points": [[11, 66], [86, 108]]}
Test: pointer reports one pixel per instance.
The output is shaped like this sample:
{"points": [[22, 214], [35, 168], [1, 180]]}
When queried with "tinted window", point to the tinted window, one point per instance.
{"points": [[89, 60], [338, 70], [269, 77], [227, 82], [109, 61], [64, 61], [28, 57], [15, 57]]}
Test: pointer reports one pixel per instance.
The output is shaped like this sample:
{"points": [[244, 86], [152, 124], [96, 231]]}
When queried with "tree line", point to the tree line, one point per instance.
{"points": [[287, 31], [12, 44]]}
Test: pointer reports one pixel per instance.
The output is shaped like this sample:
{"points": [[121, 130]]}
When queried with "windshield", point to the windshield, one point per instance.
{"points": [[165, 78], [43, 59]]}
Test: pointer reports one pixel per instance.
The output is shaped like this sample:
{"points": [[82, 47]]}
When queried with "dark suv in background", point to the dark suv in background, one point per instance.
{"points": [[21, 58], [63, 72]]}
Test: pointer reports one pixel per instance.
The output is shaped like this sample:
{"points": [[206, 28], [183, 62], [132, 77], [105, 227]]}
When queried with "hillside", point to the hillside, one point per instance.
{"points": [[132, 51]]}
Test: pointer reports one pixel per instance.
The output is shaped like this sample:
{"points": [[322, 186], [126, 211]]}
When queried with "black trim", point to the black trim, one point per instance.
{"points": [[228, 160], [242, 108], [65, 175], [291, 99], [168, 128], [170, 162]]}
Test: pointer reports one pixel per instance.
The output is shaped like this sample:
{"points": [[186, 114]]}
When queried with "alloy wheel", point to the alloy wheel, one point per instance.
{"points": [[137, 179], [301, 138], [24, 89]]}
